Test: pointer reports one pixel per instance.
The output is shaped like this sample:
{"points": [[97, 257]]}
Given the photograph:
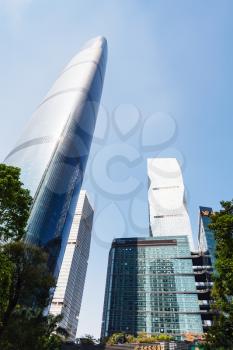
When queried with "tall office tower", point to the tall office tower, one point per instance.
{"points": [[53, 150], [70, 284], [206, 240], [203, 266], [203, 270], [151, 288], [150, 283], [167, 206]]}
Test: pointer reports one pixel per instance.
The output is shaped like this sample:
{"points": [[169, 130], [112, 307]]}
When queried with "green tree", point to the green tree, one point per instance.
{"points": [[6, 271], [15, 202], [142, 337], [221, 332], [23, 321], [116, 338], [87, 339], [25, 280], [30, 280], [27, 333]]}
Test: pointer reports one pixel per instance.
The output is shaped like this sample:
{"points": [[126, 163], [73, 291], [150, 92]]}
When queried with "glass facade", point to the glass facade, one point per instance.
{"points": [[52, 152], [202, 269], [203, 265], [167, 203], [150, 287], [206, 238]]}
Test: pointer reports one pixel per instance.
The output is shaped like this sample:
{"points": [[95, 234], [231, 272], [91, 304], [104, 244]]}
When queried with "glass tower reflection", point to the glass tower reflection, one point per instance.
{"points": [[53, 150]]}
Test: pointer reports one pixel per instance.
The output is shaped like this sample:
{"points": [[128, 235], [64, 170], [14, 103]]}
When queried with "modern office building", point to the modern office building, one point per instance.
{"points": [[203, 266], [203, 270], [206, 240], [151, 282], [70, 284], [151, 288], [53, 150], [167, 206]]}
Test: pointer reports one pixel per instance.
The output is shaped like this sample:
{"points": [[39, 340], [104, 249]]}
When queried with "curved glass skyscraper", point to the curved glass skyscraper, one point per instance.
{"points": [[53, 150]]}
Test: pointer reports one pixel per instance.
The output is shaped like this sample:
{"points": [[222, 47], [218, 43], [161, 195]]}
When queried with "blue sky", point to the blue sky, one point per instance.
{"points": [[169, 71]]}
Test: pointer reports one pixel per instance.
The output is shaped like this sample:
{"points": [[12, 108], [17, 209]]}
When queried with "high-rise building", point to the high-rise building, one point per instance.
{"points": [[167, 206], [151, 288], [151, 284], [206, 240], [203, 266], [53, 150], [203, 270], [70, 284]]}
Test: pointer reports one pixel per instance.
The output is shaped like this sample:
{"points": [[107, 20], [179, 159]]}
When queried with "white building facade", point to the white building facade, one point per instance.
{"points": [[166, 194], [70, 284]]}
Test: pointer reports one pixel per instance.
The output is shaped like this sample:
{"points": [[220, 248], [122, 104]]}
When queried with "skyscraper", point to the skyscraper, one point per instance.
{"points": [[53, 150], [70, 284], [151, 287], [203, 266], [167, 205], [206, 240]]}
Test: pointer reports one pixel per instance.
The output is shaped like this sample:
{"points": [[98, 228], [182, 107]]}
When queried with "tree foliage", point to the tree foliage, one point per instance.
{"points": [[87, 339], [6, 271], [221, 332], [23, 321], [30, 280], [120, 338], [25, 280], [15, 203], [24, 331]]}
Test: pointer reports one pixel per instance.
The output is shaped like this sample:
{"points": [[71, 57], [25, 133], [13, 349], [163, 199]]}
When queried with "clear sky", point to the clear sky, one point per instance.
{"points": [[168, 92]]}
